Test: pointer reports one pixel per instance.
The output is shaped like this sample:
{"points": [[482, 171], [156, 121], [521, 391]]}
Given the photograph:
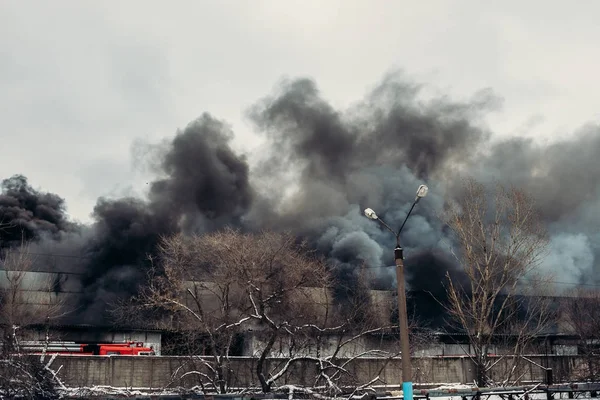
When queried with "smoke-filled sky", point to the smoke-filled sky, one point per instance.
{"points": [[146, 119], [80, 81]]}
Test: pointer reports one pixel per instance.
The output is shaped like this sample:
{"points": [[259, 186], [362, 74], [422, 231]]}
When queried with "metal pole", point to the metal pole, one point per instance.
{"points": [[407, 387]]}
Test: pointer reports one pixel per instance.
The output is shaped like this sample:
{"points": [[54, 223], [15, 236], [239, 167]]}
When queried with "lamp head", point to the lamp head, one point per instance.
{"points": [[422, 191], [369, 213]]}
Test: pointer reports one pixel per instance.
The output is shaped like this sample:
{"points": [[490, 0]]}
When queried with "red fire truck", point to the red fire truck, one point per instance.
{"points": [[88, 349]]}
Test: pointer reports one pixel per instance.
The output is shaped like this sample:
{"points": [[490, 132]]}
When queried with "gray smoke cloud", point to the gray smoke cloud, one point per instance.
{"points": [[27, 213], [376, 154], [202, 185], [320, 167], [564, 179], [373, 155]]}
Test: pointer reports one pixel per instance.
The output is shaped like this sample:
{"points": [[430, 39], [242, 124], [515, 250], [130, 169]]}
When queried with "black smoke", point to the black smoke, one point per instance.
{"points": [[376, 153], [26, 213], [319, 168], [373, 155], [203, 185]]}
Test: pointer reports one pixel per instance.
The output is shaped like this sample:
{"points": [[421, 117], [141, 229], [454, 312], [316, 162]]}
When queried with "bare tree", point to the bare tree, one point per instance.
{"points": [[216, 283], [24, 302], [340, 334], [26, 298], [581, 315], [214, 288], [499, 244], [192, 294]]}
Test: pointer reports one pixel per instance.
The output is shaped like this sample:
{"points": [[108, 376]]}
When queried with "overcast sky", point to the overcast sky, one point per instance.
{"points": [[81, 81]]}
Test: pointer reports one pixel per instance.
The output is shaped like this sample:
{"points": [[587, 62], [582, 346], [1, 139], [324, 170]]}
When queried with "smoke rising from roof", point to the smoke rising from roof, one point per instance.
{"points": [[26, 213], [323, 166]]}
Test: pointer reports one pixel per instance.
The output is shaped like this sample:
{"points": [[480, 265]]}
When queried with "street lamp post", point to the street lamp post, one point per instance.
{"points": [[407, 387]]}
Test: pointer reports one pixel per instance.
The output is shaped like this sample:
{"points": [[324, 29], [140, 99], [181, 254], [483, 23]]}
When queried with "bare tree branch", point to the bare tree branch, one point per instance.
{"points": [[500, 243], [581, 316], [25, 301], [212, 289]]}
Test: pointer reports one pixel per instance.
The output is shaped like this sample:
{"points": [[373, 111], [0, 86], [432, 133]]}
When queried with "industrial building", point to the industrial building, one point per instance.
{"points": [[43, 300]]}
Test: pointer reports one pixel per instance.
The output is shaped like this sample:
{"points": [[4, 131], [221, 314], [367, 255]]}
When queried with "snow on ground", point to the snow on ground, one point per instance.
{"points": [[84, 392], [453, 386], [81, 392]]}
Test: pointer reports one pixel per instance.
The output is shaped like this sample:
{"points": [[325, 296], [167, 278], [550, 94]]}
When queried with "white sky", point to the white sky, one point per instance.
{"points": [[81, 80]]}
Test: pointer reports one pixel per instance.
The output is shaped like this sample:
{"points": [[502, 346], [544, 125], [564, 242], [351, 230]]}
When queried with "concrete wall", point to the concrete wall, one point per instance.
{"points": [[159, 372], [387, 343]]}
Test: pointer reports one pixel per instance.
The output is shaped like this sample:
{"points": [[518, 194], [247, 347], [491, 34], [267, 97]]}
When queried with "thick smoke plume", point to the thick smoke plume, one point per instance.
{"points": [[322, 166], [27, 214]]}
